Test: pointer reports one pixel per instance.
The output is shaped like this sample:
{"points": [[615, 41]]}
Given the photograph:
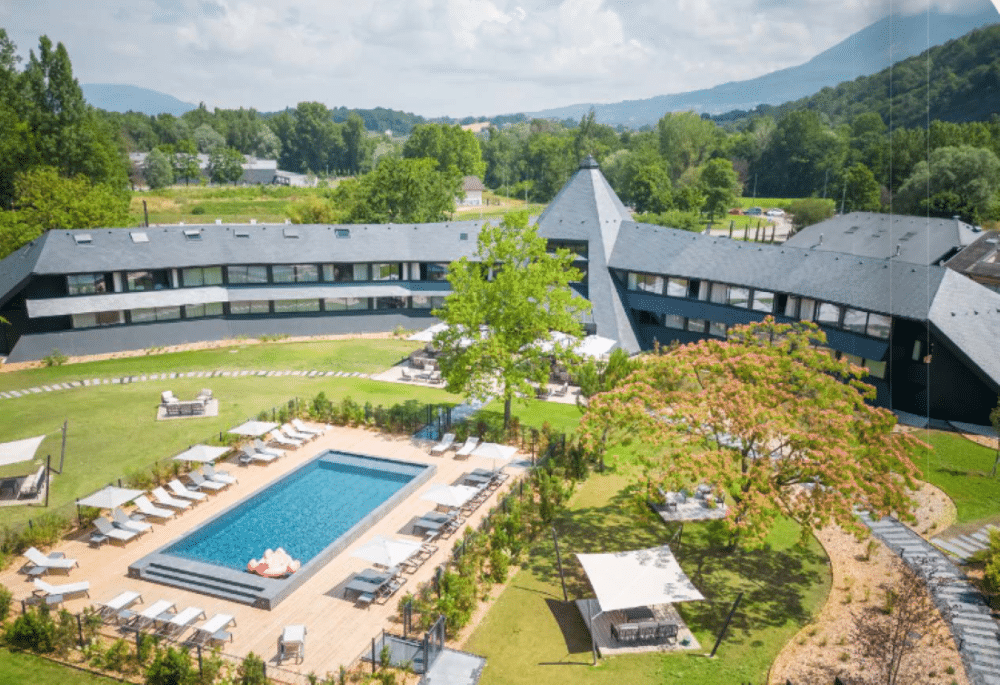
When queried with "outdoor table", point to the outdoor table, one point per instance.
{"points": [[638, 614]]}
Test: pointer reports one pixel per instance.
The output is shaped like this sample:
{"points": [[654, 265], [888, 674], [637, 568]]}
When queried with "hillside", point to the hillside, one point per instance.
{"points": [[863, 53], [117, 97], [958, 81]]}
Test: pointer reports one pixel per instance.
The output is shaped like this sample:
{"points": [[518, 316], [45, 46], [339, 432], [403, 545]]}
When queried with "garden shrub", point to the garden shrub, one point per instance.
{"points": [[251, 671], [64, 633], [171, 667], [32, 631], [6, 597], [116, 657]]}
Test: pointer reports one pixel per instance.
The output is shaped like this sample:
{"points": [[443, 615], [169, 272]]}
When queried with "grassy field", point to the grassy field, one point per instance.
{"points": [[961, 468], [531, 636], [766, 203], [28, 669]]}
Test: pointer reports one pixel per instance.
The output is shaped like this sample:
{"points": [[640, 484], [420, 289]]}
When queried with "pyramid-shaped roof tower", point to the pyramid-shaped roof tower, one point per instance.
{"points": [[587, 209]]}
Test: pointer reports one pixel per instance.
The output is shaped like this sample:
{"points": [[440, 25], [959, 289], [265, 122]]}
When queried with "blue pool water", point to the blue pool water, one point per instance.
{"points": [[303, 513]]}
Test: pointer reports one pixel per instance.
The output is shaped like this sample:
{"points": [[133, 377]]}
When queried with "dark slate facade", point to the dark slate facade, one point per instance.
{"points": [[874, 283]]}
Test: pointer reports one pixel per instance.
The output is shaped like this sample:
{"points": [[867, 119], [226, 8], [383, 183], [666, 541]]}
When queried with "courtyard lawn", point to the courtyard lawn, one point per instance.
{"points": [[961, 468], [28, 669], [531, 636]]}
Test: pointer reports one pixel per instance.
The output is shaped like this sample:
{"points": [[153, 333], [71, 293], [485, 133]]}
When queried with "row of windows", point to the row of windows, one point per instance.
{"points": [[766, 302], [250, 307]]}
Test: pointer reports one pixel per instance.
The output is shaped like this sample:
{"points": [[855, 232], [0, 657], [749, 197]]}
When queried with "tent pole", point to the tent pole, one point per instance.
{"points": [[593, 637], [562, 578], [725, 625]]}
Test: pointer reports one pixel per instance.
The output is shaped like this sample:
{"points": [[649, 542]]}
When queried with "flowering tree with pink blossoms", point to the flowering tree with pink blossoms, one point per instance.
{"points": [[770, 418]]}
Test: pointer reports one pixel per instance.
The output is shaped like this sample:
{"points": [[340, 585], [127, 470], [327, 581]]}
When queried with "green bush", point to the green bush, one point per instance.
{"points": [[116, 657], [32, 631], [251, 671], [499, 565], [198, 209], [6, 597], [55, 358], [171, 667]]}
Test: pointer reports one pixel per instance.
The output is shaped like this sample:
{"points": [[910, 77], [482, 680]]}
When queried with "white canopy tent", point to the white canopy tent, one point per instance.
{"points": [[641, 577], [427, 335], [494, 451], [201, 453], [386, 552], [253, 428], [449, 495], [19, 450], [591, 346], [109, 497]]}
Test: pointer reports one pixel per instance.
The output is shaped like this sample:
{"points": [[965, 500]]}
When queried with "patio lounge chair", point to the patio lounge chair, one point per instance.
{"points": [[404, 374], [466, 449], [40, 564], [218, 476], [561, 390], [177, 488], [160, 610], [301, 427], [289, 432], [56, 594], [647, 630], [147, 508], [201, 482], [447, 440], [162, 497], [179, 622], [111, 610], [292, 643], [276, 436], [666, 631], [123, 521], [262, 447], [213, 630], [105, 528], [248, 455], [625, 632]]}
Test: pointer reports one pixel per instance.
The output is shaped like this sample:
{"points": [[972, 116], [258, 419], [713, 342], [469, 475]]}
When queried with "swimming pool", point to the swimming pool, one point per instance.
{"points": [[314, 512]]}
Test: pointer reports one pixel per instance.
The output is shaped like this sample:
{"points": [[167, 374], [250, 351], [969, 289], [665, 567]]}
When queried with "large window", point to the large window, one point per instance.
{"points": [[387, 272], [197, 276], [425, 302], [390, 303], [875, 368], [245, 275], [434, 272], [737, 297], [147, 280], [87, 284], [341, 304], [296, 306], [878, 325], [792, 307], [295, 273], [855, 320], [148, 314], [677, 287], [97, 319], [197, 311], [717, 329], [807, 310], [645, 283], [719, 291], [828, 314], [696, 325], [250, 307], [763, 301], [333, 273]]}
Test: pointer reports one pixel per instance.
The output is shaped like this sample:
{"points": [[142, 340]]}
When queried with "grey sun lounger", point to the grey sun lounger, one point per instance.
{"points": [[147, 508], [161, 610], [213, 630], [289, 431], [123, 521], [105, 528], [177, 488], [280, 438], [470, 444], [218, 476], [200, 482], [447, 441], [262, 447], [248, 456], [162, 497]]}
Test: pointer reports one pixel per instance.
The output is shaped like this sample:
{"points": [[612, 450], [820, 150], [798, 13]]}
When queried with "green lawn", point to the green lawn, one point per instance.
{"points": [[201, 205], [961, 468], [27, 669], [531, 636], [766, 203]]}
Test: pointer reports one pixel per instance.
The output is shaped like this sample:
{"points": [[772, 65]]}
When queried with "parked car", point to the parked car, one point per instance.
{"points": [[755, 211], [775, 212]]}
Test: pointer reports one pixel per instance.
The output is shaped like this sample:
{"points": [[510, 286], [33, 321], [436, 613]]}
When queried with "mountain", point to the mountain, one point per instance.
{"points": [[864, 53], [116, 97]]}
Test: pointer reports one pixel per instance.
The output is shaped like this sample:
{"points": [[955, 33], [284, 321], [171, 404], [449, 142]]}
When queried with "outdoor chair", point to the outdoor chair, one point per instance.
{"points": [[435, 377], [162, 497], [301, 427], [167, 396], [542, 392], [625, 632], [647, 630], [213, 630], [111, 610], [205, 396], [289, 432], [33, 484], [161, 610], [562, 390], [466, 449], [125, 522], [56, 594], [218, 476], [447, 441], [666, 631], [179, 622], [40, 564], [262, 447], [147, 508], [203, 483], [292, 643], [278, 437], [177, 488], [404, 374], [105, 528], [248, 455]]}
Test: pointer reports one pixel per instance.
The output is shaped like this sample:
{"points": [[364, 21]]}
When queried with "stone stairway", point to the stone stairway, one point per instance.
{"points": [[964, 546]]}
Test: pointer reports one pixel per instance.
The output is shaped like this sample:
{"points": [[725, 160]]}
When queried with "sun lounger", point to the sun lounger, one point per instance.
{"points": [[292, 643], [160, 610], [123, 521], [289, 432], [447, 440], [470, 444], [201, 482], [278, 437], [40, 564], [213, 630], [105, 528], [177, 488], [217, 475], [162, 497], [56, 594], [147, 508], [112, 609], [248, 455], [262, 447], [301, 427], [562, 390], [179, 622]]}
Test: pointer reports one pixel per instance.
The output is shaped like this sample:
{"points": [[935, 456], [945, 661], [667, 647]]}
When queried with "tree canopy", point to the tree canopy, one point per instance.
{"points": [[399, 191], [956, 181], [450, 146], [499, 316], [769, 418]]}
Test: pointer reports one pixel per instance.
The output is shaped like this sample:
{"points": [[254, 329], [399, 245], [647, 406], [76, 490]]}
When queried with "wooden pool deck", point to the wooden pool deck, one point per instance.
{"points": [[338, 631]]}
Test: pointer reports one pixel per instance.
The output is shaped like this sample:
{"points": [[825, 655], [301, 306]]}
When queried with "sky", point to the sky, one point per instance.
{"points": [[439, 57]]}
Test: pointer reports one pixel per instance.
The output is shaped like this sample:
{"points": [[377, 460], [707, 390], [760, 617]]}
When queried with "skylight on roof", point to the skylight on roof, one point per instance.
{"points": [[241, 233], [139, 236], [192, 234], [342, 232], [83, 238], [291, 232]]}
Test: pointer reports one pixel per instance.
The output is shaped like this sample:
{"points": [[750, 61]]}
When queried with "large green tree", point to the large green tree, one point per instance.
{"points": [[449, 146], [769, 418], [504, 305], [225, 165], [158, 171], [721, 185], [399, 191], [687, 141], [962, 181], [862, 192]]}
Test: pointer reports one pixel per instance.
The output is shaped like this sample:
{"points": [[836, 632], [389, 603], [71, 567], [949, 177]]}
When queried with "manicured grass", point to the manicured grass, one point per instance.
{"points": [[961, 468], [766, 203], [18, 667], [200, 205], [531, 636], [367, 356]]}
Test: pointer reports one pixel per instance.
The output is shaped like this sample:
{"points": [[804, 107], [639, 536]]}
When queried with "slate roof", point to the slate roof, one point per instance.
{"points": [[919, 240], [968, 316], [888, 286], [112, 249], [472, 183], [16, 267], [980, 259]]}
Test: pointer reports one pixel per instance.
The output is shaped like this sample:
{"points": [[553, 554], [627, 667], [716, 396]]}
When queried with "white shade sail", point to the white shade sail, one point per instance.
{"points": [[642, 577], [428, 334], [386, 552], [19, 450], [109, 497], [202, 453], [449, 495], [253, 428], [492, 450]]}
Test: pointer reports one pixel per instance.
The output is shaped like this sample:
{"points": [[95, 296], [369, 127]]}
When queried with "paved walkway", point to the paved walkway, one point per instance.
{"points": [[974, 629], [11, 394], [964, 546], [454, 668]]}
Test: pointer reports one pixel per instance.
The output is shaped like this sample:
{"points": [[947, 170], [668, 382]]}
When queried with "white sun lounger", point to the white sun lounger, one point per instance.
{"points": [[301, 427], [162, 497], [280, 438], [122, 520], [113, 607], [262, 447], [39, 563], [105, 528], [447, 440], [201, 482], [147, 508], [161, 610], [218, 476], [177, 488], [213, 630], [248, 454], [55, 594], [470, 444], [289, 431], [180, 621]]}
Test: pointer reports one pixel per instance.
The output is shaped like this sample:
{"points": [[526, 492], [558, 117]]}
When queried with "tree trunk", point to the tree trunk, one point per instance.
{"points": [[506, 413], [996, 461]]}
